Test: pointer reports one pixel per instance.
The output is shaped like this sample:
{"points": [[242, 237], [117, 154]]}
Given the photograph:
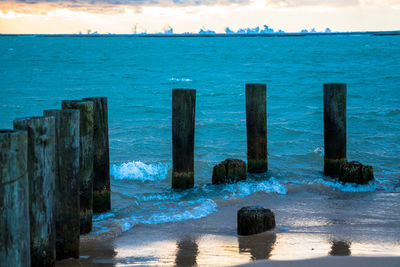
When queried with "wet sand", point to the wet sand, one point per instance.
{"points": [[310, 225], [333, 262]]}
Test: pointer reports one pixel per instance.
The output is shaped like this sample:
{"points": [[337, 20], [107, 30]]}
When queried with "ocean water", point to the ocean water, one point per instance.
{"points": [[137, 75]]}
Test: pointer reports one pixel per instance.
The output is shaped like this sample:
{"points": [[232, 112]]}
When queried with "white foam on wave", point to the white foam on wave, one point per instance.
{"points": [[137, 170], [344, 187], [319, 150], [202, 208], [102, 216], [180, 79], [243, 189], [349, 187], [168, 195]]}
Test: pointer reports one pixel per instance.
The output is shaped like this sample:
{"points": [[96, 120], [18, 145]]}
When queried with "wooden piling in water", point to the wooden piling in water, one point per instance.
{"points": [[66, 182], [41, 176], [14, 199], [256, 124], [101, 164], [85, 160], [334, 127], [183, 125]]}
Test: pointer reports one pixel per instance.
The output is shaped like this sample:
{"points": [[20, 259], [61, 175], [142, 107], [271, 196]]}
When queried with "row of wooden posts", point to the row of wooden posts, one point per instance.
{"points": [[54, 174], [183, 126], [55, 169]]}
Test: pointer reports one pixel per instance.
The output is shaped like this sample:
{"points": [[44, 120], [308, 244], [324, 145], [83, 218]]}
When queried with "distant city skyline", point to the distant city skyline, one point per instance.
{"points": [[130, 16]]}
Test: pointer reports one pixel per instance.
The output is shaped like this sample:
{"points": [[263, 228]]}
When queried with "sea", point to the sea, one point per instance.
{"points": [[137, 74]]}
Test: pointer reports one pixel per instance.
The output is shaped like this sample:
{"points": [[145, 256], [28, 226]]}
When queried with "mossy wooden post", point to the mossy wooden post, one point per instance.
{"points": [[85, 160], [101, 164], [14, 199], [67, 182], [183, 121], [256, 124], [41, 176], [334, 127]]}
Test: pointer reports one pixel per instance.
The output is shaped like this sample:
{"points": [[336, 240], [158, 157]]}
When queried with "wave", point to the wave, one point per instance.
{"points": [[244, 188], [196, 209], [161, 204], [374, 185], [139, 171], [180, 79]]}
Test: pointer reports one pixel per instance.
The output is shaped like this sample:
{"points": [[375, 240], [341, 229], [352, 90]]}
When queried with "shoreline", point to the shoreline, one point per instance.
{"points": [[309, 226]]}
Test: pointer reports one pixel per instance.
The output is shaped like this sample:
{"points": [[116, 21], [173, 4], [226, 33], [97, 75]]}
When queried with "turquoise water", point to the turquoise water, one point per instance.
{"points": [[137, 75]]}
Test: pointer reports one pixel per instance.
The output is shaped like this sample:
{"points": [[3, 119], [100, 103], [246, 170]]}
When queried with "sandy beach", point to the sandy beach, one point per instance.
{"points": [[311, 229], [334, 261]]}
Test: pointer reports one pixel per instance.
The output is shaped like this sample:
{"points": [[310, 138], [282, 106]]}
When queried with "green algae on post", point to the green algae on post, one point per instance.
{"points": [[183, 125], [256, 124], [101, 164], [41, 175], [85, 160], [14, 200], [66, 182]]}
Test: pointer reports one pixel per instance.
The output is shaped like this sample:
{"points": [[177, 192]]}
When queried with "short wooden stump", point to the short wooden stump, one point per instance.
{"points": [[229, 171], [255, 219], [355, 172]]}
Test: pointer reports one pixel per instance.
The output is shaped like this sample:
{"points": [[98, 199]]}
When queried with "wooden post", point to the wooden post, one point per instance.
{"points": [[256, 124], [254, 219], [14, 199], [85, 160], [334, 127], [66, 182], [183, 121], [41, 175], [101, 164]]}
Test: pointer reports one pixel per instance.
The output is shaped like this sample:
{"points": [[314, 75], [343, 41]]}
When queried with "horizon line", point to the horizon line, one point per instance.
{"points": [[271, 34]]}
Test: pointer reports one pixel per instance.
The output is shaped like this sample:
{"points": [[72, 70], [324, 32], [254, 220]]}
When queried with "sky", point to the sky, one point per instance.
{"points": [[152, 16]]}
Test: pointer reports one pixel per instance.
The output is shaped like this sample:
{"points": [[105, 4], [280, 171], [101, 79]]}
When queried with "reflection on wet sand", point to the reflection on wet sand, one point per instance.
{"points": [[222, 250], [340, 248], [259, 246], [295, 246], [187, 251]]}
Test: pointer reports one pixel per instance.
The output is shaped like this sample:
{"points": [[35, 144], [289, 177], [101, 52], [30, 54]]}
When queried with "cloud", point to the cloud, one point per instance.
{"points": [[120, 6], [133, 2], [301, 3], [333, 3], [105, 6]]}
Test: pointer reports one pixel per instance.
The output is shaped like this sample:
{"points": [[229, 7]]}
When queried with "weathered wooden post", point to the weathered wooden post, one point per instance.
{"points": [[41, 176], [229, 171], [334, 127], [101, 164], [183, 124], [85, 160], [256, 124], [66, 182], [14, 199], [254, 219]]}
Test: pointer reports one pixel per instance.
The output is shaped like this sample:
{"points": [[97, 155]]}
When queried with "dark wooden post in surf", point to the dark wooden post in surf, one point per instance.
{"points": [[41, 176], [66, 182], [101, 164], [85, 160], [334, 127], [183, 121], [14, 199], [256, 124]]}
